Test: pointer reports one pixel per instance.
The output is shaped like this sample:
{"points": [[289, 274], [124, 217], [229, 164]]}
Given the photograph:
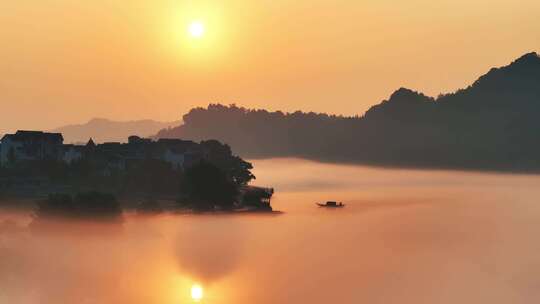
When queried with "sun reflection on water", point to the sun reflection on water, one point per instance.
{"points": [[197, 292]]}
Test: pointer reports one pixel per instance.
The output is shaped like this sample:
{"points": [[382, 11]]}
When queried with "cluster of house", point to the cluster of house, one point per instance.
{"points": [[24, 146]]}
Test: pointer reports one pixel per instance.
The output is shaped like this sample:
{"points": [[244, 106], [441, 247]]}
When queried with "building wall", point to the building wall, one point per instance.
{"points": [[8, 145], [71, 155], [175, 159], [30, 150]]}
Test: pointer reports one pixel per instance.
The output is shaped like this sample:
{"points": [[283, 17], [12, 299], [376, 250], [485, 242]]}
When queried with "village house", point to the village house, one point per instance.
{"points": [[37, 145], [72, 153], [175, 158], [179, 153], [31, 146]]}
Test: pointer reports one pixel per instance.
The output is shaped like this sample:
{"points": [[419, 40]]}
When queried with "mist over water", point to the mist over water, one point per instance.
{"points": [[209, 248], [405, 236]]}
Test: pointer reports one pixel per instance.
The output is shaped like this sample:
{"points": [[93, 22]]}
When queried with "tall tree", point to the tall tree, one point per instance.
{"points": [[207, 186]]}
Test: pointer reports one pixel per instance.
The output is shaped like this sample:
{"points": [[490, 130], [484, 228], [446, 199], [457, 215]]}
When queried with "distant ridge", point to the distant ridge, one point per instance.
{"points": [[493, 124], [105, 130]]}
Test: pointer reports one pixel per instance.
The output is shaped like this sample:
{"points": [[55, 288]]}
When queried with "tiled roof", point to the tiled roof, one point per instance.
{"points": [[34, 135]]}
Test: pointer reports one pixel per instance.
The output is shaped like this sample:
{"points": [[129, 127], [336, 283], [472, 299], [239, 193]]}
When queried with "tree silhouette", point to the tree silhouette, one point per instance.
{"points": [[236, 169], [91, 205], [492, 124], [207, 187]]}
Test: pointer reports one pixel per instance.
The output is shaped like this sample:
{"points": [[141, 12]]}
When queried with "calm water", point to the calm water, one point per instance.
{"points": [[405, 236]]}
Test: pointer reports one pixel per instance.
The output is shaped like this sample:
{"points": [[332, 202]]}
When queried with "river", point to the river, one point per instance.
{"points": [[405, 236]]}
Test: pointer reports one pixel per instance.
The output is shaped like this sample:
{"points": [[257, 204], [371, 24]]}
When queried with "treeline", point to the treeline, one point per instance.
{"points": [[84, 205], [259, 133], [492, 124], [215, 167]]}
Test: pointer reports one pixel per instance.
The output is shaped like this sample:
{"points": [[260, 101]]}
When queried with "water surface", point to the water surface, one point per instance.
{"points": [[406, 236]]}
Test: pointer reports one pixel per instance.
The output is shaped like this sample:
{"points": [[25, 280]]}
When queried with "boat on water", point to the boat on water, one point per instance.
{"points": [[331, 205]]}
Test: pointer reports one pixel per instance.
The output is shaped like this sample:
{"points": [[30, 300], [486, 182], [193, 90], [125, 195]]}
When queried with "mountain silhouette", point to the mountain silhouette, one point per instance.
{"points": [[105, 130], [491, 125]]}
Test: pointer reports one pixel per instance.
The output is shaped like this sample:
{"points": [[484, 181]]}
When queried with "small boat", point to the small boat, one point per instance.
{"points": [[331, 205]]}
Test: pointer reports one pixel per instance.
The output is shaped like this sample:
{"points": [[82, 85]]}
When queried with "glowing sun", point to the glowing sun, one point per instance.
{"points": [[197, 292], [196, 29]]}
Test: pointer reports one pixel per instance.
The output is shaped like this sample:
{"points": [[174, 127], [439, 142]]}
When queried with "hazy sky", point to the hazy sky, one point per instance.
{"points": [[65, 61]]}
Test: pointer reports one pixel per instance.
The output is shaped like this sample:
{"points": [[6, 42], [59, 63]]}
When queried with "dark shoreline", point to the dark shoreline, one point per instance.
{"points": [[129, 206]]}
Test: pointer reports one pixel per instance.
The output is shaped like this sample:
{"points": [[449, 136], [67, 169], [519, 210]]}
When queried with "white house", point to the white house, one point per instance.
{"points": [[72, 153], [176, 159], [31, 145]]}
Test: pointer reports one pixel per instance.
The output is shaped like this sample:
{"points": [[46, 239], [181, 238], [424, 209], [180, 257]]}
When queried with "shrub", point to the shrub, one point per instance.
{"points": [[83, 205]]}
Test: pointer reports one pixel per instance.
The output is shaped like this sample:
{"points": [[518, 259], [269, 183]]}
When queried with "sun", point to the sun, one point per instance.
{"points": [[196, 29], [197, 292]]}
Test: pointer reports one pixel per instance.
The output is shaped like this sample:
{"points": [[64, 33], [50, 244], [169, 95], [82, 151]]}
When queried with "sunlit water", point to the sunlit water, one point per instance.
{"points": [[405, 236]]}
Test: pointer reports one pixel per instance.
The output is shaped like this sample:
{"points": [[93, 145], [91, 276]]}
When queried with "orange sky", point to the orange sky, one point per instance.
{"points": [[66, 61]]}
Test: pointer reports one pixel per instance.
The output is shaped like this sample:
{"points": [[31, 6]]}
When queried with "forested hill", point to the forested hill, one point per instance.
{"points": [[493, 124]]}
